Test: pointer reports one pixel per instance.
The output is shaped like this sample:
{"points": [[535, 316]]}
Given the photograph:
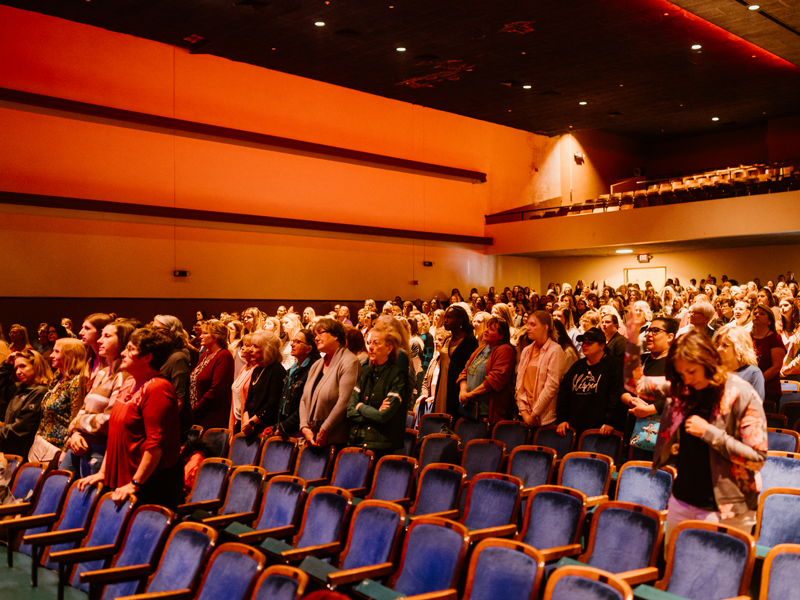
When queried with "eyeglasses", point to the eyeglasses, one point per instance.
{"points": [[655, 330], [319, 332], [293, 342]]}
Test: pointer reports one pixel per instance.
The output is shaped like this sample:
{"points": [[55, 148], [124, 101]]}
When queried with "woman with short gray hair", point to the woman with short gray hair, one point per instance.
{"points": [[266, 384]]}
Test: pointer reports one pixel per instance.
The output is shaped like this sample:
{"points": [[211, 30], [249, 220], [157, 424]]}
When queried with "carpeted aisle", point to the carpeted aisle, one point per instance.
{"points": [[15, 583]]}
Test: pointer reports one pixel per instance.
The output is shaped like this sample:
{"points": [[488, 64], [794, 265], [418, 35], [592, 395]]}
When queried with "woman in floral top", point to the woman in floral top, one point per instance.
{"points": [[62, 401], [713, 427]]}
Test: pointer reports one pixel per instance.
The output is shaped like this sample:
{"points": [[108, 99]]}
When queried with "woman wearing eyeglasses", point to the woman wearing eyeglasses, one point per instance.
{"points": [[330, 383], [306, 354]]}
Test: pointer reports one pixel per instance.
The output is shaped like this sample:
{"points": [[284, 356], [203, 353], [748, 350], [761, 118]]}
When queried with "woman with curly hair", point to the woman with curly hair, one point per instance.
{"points": [[211, 380]]}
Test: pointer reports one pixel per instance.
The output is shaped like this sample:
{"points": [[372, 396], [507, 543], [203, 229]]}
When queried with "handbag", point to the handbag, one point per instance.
{"points": [[42, 450], [645, 433]]}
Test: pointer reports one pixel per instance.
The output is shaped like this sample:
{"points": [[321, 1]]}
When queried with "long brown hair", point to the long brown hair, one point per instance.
{"points": [[695, 347]]}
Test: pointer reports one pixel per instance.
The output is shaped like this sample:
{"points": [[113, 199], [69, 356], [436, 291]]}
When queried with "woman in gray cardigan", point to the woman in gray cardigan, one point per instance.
{"points": [[323, 407]]}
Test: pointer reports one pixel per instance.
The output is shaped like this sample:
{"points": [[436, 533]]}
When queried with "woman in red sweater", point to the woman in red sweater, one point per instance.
{"points": [[211, 380]]}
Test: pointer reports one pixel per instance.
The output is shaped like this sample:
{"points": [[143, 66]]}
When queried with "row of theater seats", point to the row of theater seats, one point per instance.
{"points": [[112, 551], [713, 185]]}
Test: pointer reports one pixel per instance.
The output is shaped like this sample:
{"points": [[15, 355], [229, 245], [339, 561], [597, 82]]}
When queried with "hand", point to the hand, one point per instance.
{"points": [[641, 409], [90, 480], [359, 405], [531, 419], [606, 430], [121, 494], [634, 324], [77, 444], [463, 396], [385, 405], [247, 428], [696, 426], [309, 435], [322, 437], [562, 429]]}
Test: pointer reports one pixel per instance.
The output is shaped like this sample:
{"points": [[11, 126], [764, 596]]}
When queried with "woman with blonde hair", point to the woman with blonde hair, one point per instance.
{"points": [[62, 402], [541, 367], [241, 383], [479, 325], [252, 320], [23, 399], [291, 325], [18, 336], [266, 384], [380, 398], [505, 312], [309, 314], [212, 378], [735, 347]]}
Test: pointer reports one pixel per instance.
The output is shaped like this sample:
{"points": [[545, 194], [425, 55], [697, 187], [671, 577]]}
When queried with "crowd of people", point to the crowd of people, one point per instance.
{"points": [[697, 364]]}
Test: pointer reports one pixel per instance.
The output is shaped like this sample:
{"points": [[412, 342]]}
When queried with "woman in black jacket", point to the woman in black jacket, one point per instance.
{"points": [[266, 384], [24, 398], [305, 351]]}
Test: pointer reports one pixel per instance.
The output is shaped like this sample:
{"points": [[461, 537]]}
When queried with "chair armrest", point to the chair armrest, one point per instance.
{"points": [[83, 554], [278, 533], [445, 514], [405, 502], [298, 554], [14, 509], [225, 520], [276, 473], [117, 574], [552, 554], [190, 507], [316, 482], [646, 592], [595, 500], [31, 521], [361, 573], [176, 595], [440, 595], [54, 537], [638, 576], [360, 492], [500, 531]]}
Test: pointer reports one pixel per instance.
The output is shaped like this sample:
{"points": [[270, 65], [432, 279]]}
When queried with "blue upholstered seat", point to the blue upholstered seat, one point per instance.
{"points": [[432, 423], [409, 442], [482, 456], [585, 583], [778, 519], [624, 537], [438, 448], [184, 556], [278, 514], [209, 485], [781, 469], [219, 439], [782, 440], [278, 456], [372, 541], [511, 433], [323, 524], [411, 419], [470, 429], [706, 561], [231, 573], [147, 530], [593, 441], [352, 469], [492, 505], [532, 464], [280, 582], [779, 575], [313, 464], [588, 473], [438, 490], [504, 570], [433, 553], [635, 484], [393, 478], [49, 501], [245, 450], [552, 521], [547, 437], [26, 479]]}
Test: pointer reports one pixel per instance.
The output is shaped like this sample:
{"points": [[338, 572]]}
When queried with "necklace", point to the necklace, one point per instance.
{"points": [[252, 382]]}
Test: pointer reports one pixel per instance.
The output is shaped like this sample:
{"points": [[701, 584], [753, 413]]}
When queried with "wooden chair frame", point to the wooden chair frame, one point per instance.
{"points": [[485, 442], [224, 520], [367, 480], [404, 502], [593, 500], [259, 535], [234, 437], [286, 571], [328, 468], [499, 531], [573, 549], [226, 449], [207, 505], [648, 464], [527, 491], [589, 573], [789, 432], [445, 514], [615, 434], [292, 460], [514, 545]]}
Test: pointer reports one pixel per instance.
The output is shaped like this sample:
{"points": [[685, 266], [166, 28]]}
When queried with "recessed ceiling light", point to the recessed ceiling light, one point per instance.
{"points": [[624, 251], [582, 103], [526, 87], [401, 49], [715, 118], [320, 24], [696, 47], [753, 7]]}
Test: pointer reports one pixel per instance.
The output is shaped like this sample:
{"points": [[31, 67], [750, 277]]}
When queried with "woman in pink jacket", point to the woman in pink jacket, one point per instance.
{"points": [[539, 373]]}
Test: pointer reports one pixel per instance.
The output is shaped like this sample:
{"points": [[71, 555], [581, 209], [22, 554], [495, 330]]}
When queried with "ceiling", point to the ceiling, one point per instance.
{"points": [[630, 61]]}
